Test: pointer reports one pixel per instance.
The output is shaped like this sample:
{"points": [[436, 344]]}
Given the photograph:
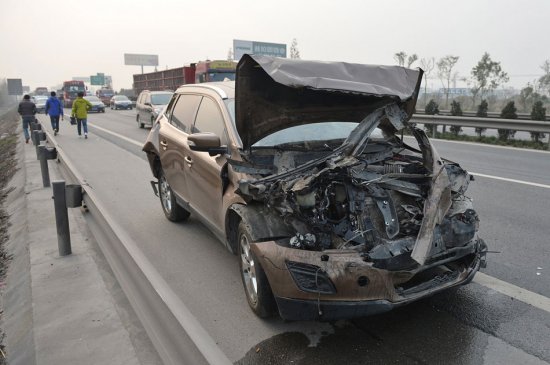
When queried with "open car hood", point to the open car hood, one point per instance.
{"points": [[273, 93]]}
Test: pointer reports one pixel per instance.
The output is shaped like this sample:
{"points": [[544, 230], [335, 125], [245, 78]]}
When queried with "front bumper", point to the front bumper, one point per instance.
{"points": [[123, 106], [359, 288], [98, 109]]}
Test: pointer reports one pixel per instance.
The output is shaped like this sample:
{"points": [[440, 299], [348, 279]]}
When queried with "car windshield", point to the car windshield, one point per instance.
{"points": [[324, 131], [221, 76], [161, 99], [121, 98], [91, 98], [40, 98]]}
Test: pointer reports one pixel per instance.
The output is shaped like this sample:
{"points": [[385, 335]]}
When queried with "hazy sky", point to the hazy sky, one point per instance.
{"points": [[47, 42]]}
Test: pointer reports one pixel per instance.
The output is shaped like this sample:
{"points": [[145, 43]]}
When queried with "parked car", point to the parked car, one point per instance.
{"points": [[149, 105], [97, 105], [121, 102], [298, 168], [40, 102]]}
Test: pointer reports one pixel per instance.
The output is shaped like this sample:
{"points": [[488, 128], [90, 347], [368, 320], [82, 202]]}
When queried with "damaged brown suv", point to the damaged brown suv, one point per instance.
{"points": [[298, 169]]}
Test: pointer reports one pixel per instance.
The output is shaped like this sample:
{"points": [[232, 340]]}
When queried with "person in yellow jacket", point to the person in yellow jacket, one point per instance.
{"points": [[80, 112]]}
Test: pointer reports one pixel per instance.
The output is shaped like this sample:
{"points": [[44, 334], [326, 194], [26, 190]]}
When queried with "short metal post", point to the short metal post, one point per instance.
{"points": [[44, 166], [35, 138], [61, 218]]}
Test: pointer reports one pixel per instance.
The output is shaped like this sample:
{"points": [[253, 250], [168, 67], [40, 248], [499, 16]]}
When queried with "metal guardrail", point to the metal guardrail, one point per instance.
{"points": [[470, 113], [176, 334], [492, 123]]}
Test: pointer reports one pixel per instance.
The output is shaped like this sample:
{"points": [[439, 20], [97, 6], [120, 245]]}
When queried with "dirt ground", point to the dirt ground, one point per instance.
{"points": [[8, 165]]}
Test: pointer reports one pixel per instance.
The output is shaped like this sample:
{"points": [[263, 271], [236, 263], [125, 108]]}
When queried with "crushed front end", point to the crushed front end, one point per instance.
{"points": [[374, 224]]}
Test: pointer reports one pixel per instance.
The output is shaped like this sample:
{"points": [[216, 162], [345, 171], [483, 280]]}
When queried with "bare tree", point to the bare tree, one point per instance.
{"points": [[294, 51], [544, 80], [445, 73], [427, 65], [411, 59], [400, 57]]}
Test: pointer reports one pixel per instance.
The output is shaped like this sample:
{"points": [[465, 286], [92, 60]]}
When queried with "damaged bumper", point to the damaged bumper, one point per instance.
{"points": [[336, 285]]}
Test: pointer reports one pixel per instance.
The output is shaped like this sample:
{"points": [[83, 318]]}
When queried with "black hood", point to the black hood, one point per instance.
{"points": [[276, 93]]}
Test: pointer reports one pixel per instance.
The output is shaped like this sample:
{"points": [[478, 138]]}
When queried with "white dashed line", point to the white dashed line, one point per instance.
{"points": [[513, 291], [511, 180]]}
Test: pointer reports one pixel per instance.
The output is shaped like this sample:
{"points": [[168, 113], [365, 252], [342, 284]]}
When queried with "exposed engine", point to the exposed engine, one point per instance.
{"points": [[373, 203]]}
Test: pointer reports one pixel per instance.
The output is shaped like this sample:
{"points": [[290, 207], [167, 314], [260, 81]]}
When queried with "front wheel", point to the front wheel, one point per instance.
{"points": [[256, 286], [172, 210]]}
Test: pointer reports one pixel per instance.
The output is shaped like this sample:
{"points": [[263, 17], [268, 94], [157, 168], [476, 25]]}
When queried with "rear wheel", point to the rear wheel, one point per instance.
{"points": [[141, 125], [172, 210], [256, 286]]}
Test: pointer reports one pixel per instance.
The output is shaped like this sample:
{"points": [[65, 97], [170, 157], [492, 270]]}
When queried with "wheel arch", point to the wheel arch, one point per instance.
{"points": [[264, 224]]}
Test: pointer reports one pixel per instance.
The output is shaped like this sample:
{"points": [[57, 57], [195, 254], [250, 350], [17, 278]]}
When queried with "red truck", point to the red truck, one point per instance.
{"points": [[105, 95], [71, 90], [173, 78]]}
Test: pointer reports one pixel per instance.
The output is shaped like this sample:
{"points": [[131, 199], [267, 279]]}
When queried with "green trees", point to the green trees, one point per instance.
{"points": [[431, 109], [508, 112], [456, 110], [487, 75], [538, 113], [482, 113]]}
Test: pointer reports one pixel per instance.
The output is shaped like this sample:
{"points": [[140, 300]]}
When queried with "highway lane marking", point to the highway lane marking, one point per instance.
{"points": [[511, 180], [124, 138], [511, 290], [486, 145]]}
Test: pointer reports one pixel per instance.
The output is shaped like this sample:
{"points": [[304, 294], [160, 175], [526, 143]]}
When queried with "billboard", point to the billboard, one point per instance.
{"points": [[15, 87], [81, 78], [141, 59], [241, 47]]}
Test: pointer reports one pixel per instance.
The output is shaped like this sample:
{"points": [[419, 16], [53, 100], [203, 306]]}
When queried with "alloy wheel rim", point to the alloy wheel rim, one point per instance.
{"points": [[248, 270], [165, 194]]}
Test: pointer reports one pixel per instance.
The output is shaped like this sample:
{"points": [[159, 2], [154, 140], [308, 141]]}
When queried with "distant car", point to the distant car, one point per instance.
{"points": [[97, 105], [121, 102], [40, 102], [149, 105]]}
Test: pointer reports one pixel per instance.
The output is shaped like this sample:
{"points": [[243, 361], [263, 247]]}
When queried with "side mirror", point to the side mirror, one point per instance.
{"points": [[206, 142]]}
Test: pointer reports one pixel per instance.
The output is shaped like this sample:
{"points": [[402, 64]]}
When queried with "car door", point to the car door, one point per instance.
{"points": [[204, 171], [175, 126]]}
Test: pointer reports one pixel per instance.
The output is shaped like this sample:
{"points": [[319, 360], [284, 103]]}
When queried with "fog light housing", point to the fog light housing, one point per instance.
{"points": [[310, 278]]}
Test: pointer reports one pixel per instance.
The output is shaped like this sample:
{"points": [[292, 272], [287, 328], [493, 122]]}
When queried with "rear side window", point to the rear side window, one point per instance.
{"points": [[184, 111], [210, 119]]}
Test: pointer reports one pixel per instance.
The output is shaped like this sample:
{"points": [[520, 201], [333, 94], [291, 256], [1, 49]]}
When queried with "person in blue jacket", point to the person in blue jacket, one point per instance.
{"points": [[55, 110]]}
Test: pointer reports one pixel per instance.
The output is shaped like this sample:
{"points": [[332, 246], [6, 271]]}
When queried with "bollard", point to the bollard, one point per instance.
{"points": [[44, 166], [61, 218], [35, 138]]}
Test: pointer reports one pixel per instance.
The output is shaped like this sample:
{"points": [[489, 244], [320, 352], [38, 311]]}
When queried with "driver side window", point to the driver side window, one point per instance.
{"points": [[210, 119]]}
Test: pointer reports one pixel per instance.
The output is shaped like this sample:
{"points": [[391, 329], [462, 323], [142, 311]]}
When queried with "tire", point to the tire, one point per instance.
{"points": [[172, 210], [141, 125], [256, 286]]}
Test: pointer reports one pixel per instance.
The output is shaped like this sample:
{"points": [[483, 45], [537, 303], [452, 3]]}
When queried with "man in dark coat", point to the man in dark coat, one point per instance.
{"points": [[27, 110]]}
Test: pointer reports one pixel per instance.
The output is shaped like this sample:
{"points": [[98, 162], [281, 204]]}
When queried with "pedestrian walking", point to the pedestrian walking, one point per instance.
{"points": [[55, 110], [80, 112], [27, 110]]}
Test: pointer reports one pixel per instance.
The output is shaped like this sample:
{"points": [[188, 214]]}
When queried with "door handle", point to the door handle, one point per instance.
{"points": [[188, 160], [164, 145]]}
